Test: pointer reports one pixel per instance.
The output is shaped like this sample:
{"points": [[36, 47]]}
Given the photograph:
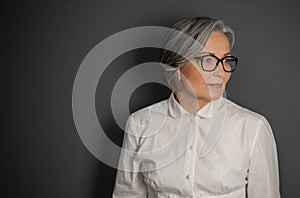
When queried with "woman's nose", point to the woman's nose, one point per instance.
{"points": [[219, 70]]}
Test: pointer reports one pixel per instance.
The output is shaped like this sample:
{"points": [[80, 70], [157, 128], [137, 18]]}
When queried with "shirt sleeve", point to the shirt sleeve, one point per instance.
{"points": [[263, 176], [129, 179]]}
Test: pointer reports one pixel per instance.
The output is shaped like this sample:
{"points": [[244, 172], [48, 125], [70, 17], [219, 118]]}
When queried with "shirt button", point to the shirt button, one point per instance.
{"points": [[187, 177], [191, 147]]}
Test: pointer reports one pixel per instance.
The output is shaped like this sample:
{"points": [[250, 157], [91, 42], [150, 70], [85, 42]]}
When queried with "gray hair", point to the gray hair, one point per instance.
{"points": [[179, 48]]}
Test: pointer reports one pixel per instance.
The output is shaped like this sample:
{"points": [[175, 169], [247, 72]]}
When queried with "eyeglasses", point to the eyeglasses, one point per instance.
{"points": [[210, 62]]}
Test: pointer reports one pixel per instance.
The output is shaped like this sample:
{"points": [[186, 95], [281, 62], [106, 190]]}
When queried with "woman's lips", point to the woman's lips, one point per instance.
{"points": [[215, 85]]}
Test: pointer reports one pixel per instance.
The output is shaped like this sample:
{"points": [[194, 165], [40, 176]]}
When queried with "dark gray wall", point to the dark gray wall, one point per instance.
{"points": [[45, 43]]}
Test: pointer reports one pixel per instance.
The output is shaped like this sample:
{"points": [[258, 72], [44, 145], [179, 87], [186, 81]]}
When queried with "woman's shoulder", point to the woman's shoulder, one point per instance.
{"points": [[238, 111], [146, 114], [248, 119]]}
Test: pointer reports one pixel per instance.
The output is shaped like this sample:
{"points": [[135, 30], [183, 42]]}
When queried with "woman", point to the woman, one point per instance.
{"points": [[198, 143]]}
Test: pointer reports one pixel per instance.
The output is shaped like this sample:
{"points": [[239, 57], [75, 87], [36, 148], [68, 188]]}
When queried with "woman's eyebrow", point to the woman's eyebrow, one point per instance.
{"points": [[228, 53], [209, 53], [201, 53]]}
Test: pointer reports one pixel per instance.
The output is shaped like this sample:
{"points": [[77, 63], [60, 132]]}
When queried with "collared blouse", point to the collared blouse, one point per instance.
{"points": [[222, 151]]}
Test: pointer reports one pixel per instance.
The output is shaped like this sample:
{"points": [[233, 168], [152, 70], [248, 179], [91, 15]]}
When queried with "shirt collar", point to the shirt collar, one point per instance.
{"points": [[175, 109]]}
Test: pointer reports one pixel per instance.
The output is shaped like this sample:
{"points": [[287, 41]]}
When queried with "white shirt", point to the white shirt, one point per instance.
{"points": [[223, 151]]}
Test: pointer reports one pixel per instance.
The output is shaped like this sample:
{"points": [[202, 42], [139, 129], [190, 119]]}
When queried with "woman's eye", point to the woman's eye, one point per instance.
{"points": [[207, 60], [228, 60]]}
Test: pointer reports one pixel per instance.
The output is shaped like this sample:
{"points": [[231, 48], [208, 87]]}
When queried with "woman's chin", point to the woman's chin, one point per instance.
{"points": [[216, 94], [212, 96]]}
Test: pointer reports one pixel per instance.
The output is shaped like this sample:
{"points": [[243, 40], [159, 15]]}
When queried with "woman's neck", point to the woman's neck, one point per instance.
{"points": [[190, 103]]}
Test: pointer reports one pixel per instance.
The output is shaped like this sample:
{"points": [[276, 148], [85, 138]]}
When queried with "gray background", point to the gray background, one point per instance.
{"points": [[45, 43]]}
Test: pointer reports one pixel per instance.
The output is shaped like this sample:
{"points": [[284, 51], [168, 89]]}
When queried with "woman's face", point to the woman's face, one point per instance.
{"points": [[205, 85]]}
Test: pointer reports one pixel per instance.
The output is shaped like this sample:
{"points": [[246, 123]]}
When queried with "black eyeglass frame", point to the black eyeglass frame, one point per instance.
{"points": [[200, 58]]}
